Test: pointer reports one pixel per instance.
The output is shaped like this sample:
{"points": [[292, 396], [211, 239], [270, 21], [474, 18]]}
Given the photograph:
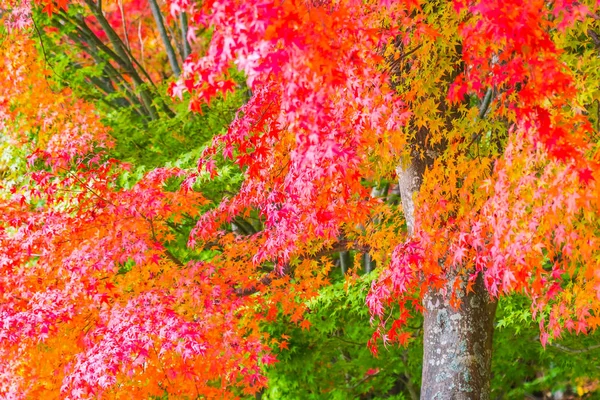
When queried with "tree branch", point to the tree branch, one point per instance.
{"points": [[118, 56], [164, 37], [485, 104], [183, 22], [117, 43], [266, 280], [110, 72], [575, 351]]}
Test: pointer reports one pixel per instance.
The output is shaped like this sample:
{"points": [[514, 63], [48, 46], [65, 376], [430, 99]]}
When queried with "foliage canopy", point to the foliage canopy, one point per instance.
{"points": [[160, 244]]}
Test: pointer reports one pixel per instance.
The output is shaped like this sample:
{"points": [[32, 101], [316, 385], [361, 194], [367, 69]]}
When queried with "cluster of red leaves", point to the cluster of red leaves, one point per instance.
{"points": [[316, 115], [91, 297], [526, 218], [89, 294], [306, 135], [18, 14], [528, 64], [319, 104]]}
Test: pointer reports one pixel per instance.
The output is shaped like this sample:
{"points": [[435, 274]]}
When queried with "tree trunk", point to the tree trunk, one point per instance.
{"points": [[457, 345], [457, 342]]}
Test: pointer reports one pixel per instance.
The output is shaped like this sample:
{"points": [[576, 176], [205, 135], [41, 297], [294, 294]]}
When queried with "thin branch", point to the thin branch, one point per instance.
{"points": [[106, 90], [141, 42], [92, 43], [46, 57], [344, 261], [575, 351], [183, 22], [120, 3], [483, 108], [118, 43], [164, 37], [363, 380], [268, 278], [85, 185], [485, 104], [114, 38], [85, 31], [167, 252]]}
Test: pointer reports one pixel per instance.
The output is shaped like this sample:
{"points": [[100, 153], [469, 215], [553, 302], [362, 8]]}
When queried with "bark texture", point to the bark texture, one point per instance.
{"points": [[457, 342], [457, 345], [409, 181]]}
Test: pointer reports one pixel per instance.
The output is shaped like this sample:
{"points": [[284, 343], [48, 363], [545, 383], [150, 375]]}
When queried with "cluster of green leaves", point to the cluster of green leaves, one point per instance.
{"points": [[174, 138], [168, 140], [522, 367], [331, 359], [12, 162]]}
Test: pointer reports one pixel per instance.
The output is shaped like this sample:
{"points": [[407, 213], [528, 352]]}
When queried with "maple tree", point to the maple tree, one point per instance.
{"points": [[484, 115]]}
